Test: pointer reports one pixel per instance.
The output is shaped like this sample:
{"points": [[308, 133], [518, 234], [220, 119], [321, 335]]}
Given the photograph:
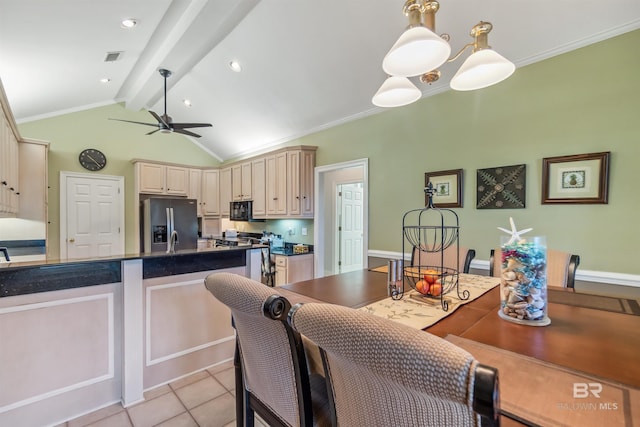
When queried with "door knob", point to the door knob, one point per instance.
{"points": [[72, 240]]}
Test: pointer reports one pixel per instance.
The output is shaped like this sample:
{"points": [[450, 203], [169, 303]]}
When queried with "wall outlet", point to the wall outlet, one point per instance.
{"points": [[292, 231], [304, 231]]}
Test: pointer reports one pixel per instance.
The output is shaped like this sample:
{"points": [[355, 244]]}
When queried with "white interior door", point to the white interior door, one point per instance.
{"points": [[350, 228], [92, 216]]}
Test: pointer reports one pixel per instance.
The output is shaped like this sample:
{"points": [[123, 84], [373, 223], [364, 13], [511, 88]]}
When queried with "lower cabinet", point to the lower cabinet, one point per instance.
{"points": [[295, 268]]}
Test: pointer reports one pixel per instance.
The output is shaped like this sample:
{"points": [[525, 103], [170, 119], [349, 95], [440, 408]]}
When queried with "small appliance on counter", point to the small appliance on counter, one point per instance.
{"points": [[231, 233]]}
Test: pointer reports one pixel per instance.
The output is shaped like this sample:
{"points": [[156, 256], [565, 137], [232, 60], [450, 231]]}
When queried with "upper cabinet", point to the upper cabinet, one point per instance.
{"points": [[156, 178], [276, 185], [225, 191], [211, 192], [9, 165], [300, 164], [258, 187], [241, 182]]}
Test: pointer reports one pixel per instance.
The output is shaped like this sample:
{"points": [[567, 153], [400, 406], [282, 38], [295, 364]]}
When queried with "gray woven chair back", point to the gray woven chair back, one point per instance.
{"points": [[449, 258], [383, 373], [266, 357]]}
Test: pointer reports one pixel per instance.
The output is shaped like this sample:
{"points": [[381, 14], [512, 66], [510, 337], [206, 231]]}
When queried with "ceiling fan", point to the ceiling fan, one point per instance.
{"points": [[165, 122]]}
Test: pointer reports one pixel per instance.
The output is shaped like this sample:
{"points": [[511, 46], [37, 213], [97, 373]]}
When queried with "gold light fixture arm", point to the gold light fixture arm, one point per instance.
{"points": [[480, 33], [413, 10]]}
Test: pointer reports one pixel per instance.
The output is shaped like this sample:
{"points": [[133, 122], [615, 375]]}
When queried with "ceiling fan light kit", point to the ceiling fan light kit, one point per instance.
{"points": [[420, 51], [165, 122]]}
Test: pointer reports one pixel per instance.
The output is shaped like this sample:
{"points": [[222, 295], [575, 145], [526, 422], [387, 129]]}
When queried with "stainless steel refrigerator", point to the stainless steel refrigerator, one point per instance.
{"points": [[169, 224]]}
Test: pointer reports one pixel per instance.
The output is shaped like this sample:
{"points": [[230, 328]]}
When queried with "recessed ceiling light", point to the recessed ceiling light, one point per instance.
{"points": [[129, 23], [105, 80], [235, 66], [186, 102]]}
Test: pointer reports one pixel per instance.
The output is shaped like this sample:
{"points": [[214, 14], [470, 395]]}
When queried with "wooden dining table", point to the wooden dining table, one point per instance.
{"points": [[598, 342]]}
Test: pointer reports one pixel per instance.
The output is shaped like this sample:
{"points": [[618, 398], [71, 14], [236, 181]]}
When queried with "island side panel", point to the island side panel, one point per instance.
{"points": [[185, 328], [60, 354]]}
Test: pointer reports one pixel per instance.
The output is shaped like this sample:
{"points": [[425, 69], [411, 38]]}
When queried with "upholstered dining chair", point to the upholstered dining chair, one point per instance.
{"points": [[382, 373], [272, 378], [561, 267], [434, 259]]}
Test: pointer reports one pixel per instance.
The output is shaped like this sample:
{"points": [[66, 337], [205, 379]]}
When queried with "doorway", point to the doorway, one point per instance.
{"points": [[91, 215], [349, 251], [327, 240]]}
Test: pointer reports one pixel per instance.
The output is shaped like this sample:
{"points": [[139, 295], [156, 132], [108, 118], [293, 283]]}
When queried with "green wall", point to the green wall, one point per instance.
{"points": [[120, 142], [580, 102]]}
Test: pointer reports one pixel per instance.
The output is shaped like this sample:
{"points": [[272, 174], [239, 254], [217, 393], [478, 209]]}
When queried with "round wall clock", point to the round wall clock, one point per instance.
{"points": [[92, 159]]}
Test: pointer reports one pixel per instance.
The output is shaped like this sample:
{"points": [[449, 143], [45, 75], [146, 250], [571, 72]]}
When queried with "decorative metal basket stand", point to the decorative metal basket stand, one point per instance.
{"points": [[431, 230]]}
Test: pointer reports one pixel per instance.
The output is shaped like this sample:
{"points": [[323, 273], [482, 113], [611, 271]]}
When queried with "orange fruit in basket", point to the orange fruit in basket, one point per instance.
{"points": [[435, 290], [422, 286], [431, 276]]}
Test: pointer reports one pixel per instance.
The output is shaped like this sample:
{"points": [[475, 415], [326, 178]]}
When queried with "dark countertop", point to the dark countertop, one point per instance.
{"points": [[287, 252], [19, 278]]}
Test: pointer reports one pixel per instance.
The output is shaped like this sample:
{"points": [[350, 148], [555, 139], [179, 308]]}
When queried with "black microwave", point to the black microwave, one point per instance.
{"points": [[241, 211]]}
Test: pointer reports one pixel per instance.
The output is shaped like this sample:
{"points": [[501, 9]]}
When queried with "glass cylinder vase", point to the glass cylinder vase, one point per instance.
{"points": [[523, 284]]}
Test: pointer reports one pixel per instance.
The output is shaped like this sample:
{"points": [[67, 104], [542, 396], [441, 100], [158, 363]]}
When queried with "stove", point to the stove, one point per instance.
{"points": [[233, 241]]}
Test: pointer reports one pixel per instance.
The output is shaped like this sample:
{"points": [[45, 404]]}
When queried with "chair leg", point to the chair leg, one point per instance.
{"points": [[239, 387], [249, 415]]}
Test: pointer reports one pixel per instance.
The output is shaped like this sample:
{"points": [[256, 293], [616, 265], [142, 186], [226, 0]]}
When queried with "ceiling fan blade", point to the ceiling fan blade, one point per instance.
{"points": [[159, 119], [186, 132], [190, 125], [153, 131], [138, 123]]}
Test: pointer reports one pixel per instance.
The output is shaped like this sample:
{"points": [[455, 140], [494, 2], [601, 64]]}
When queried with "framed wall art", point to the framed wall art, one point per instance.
{"points": [[503, 187], [580, 178], [447, 186]]}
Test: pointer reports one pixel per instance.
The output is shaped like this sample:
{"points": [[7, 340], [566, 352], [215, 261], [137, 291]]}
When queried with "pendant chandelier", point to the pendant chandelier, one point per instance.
{"points": [[420, 51]]}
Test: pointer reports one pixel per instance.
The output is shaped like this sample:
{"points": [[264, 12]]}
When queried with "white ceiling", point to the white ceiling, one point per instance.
{"points": [[307, 65]]}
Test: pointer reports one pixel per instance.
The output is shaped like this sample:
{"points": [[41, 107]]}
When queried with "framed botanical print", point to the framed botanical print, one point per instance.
{"points": [[579, 178], [503, 187], [447, 187]]}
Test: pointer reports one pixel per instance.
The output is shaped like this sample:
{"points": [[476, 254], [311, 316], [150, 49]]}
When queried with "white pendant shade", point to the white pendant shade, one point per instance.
{"points": [[483, 68], [417, 51], [396, 92]]}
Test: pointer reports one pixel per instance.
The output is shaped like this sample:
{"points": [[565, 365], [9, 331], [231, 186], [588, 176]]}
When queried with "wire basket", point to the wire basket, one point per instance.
{"points": [[431, 231]]}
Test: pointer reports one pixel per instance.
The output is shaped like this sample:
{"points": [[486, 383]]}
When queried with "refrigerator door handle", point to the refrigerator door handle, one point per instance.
{"points": [[169, 212]]}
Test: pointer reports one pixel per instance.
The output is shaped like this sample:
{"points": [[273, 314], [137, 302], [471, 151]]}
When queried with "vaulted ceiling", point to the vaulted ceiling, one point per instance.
{"points": [[305, 65]]}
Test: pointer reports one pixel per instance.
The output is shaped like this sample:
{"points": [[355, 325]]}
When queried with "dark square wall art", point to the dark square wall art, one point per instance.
{"points": [[503, 187]]}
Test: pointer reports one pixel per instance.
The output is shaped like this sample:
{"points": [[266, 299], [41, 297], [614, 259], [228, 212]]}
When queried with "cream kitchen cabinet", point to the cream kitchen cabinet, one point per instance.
{"points": [[195, 187], [300, 169], [276, 184], [258, 187], [241, 182], [204, 185], [225, 191], [34, 197], [293, 268], [157, 178], [9, 167], [211, 192]]}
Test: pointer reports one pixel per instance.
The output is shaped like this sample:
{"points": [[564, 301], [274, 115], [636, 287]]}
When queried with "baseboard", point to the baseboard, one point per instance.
{"points": [[607, 277]]}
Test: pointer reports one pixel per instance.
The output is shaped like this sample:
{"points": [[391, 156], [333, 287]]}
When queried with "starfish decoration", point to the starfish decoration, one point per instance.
{"points": [[515, 234]]}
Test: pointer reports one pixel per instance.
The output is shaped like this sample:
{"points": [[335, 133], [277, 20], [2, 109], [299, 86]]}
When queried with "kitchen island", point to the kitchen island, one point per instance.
{"points": [[80, 335]]}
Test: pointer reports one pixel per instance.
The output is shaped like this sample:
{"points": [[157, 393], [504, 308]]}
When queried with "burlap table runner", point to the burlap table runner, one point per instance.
{"points": [[424, 312]]}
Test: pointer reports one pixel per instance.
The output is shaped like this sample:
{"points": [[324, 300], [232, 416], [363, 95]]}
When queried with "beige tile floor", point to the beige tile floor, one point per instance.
{"points": [[204, 399]]}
